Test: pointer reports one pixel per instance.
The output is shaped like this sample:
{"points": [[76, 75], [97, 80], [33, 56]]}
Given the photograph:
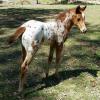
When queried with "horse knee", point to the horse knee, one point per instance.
{"points": [[24, 69]]}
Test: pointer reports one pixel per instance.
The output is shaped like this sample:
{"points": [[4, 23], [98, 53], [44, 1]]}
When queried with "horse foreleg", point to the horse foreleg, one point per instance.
{"points": [[59, 49], [51, 52]]}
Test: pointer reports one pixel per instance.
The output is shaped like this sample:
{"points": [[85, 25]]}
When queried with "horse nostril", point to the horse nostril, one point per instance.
{"points": [[85, 30]]}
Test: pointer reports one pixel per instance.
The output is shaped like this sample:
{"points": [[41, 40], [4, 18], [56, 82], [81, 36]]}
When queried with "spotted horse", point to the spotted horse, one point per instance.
{"points": [[33, 33]]}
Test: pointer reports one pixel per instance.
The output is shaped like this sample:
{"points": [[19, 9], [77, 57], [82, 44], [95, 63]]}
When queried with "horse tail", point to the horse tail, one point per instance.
{"points": [[16, 35]]}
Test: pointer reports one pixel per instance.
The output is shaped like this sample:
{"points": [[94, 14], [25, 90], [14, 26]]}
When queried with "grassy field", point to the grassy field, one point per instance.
{"points": [[80, 66]]}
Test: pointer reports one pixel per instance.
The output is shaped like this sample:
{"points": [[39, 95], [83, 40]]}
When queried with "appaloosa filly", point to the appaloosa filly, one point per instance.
{"points": [[33, 33]]}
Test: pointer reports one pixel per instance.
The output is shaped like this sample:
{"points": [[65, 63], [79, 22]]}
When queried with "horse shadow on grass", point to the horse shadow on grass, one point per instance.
{"points": [[63, 75], [53, 80]]}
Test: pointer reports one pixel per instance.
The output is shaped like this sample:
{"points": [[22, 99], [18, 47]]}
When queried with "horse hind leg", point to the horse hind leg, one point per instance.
{"points": [[23, 54], [24, 67]]}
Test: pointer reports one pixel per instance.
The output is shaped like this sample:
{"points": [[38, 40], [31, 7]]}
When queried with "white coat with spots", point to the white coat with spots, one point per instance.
{"points": [[36, 31]]}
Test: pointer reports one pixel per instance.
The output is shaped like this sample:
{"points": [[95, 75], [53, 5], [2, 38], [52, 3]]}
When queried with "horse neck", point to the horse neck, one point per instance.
{"points": [[67, 26]]}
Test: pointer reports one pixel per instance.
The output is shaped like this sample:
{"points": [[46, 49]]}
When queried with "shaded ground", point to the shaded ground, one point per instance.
{"points": [[79, 69]]}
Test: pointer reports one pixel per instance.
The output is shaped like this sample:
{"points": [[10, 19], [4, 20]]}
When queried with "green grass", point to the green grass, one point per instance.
{"points": [[80, 66]]}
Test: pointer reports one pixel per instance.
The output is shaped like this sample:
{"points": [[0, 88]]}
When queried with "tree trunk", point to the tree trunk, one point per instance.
{"points": [[37, 1]]}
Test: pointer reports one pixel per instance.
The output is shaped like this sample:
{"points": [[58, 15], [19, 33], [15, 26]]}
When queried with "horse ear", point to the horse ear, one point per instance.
{"points": [[83, 8], [78, 8]]}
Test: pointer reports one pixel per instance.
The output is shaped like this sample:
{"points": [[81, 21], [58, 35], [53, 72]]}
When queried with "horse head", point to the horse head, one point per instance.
{"points": [[74, 16], [78, 18]]}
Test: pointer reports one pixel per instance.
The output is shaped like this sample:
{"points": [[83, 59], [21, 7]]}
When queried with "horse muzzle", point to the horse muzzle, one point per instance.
{"points": [[84, 30]]}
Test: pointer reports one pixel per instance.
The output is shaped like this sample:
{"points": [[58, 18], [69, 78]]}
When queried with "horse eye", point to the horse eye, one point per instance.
{"points": [[78, 19]]}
